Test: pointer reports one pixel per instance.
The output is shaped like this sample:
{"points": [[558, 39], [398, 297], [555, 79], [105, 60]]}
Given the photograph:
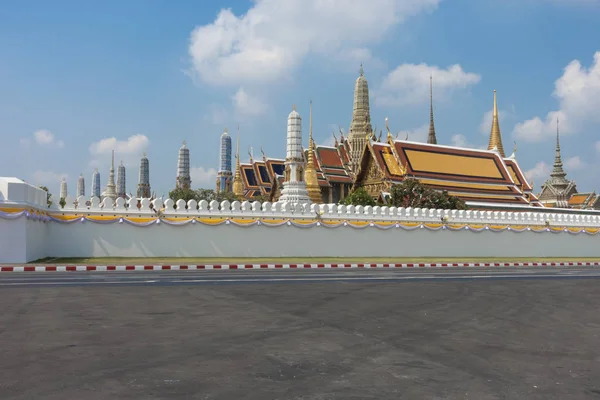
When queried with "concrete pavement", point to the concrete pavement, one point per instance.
{"points": [[316, 334]]}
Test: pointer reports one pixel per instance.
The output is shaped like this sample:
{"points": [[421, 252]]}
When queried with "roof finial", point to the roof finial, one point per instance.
{"points": [[515, 148], [263, 153], [294, 107], [387, 127], [144, 154], [225, 130], [335, 139], [361, 71], [431, 138]]}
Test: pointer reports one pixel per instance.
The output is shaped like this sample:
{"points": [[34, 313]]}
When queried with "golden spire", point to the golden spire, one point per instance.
{"points": [[310, 174], [495, 136], [238, 186]]}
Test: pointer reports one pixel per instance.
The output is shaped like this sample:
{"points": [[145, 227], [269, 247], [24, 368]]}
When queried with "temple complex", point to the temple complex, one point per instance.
{"points": [[557, 190], [482, 178]]}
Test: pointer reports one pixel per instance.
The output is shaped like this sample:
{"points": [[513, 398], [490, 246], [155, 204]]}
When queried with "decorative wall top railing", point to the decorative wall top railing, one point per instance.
{"points": [[180, 209]]}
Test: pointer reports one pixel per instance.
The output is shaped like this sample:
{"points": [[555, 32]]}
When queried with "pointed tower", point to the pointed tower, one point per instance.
{"points": [[80, 186], [495, 136], [310, 174], [557, 190], [294, 186], [121, 182], [143, 188], [360, 126], [238, 185], [224, 174], [96, 183], [63, 189], [111, 188], [431, 139], [183, 168]]}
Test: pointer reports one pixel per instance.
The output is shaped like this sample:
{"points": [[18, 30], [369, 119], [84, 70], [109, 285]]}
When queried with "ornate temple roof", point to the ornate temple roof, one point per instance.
{"points": [[471, 174]]}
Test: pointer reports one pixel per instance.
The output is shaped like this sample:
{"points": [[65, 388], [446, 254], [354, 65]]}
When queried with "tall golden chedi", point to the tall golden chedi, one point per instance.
{"points": [[238, 187], [495, 136], [310, 173]]}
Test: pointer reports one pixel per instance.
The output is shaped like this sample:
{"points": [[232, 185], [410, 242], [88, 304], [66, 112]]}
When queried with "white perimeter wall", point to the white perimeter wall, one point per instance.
{"points": [[122, 240], [27, 239]]}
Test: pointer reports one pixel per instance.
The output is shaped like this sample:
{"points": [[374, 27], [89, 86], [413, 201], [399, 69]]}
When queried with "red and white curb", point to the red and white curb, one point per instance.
{"points": [[103, 268]]}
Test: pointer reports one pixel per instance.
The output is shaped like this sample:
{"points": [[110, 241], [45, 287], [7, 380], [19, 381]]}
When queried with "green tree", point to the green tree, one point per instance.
{"points": [[412, 193], [48, 195], [260, 198], [62, 202], [183, 194], [205, 194], [226, 196], [359, 197]]}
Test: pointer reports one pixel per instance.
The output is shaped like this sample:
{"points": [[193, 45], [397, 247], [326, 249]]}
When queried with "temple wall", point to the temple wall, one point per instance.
{"points": [[29, 231]]}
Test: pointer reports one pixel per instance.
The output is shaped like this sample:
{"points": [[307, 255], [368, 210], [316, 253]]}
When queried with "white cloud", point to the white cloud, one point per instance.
{"points": [[540, 171], [459, 140], [216, 115], [415, 135], [43, 137], [245, 104], [135, 144], [49, 179], [409, 83], [273, 37], [202, 177], [574, 163], [578, 94]]}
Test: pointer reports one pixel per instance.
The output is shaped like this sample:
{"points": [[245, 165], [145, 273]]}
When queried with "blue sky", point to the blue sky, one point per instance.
{"points": [[78, 79]]}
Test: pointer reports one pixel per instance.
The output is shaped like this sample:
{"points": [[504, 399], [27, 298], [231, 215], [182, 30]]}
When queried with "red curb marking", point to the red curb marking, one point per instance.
{"points": [[306, 266], [248, 266], [166, 267], [409, 265], [148, 267], [264, 265], [278, 266], [216, 267], [90, 268], [28, 268], [320, 265], [6, 269], [232, 266], [293, 265], [129, 267], [334, 265], [111, 268], [360, 265], [183, 267], [71, 268]]}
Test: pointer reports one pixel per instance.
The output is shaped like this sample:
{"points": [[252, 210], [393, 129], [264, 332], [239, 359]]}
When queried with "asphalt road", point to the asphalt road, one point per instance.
{"points": [[376, 334]]}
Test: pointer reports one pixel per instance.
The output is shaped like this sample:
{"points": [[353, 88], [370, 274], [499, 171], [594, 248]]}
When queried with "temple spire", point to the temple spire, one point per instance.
{"points": [[558, 171], [495, 136], [360, 127], [431, 139], [310, 173], [238, 187]]}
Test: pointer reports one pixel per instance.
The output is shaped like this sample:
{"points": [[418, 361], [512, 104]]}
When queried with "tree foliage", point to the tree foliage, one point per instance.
{"points": [[412, 193], [359, 197], [48, 195], [62, 202], [201, 194]]}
